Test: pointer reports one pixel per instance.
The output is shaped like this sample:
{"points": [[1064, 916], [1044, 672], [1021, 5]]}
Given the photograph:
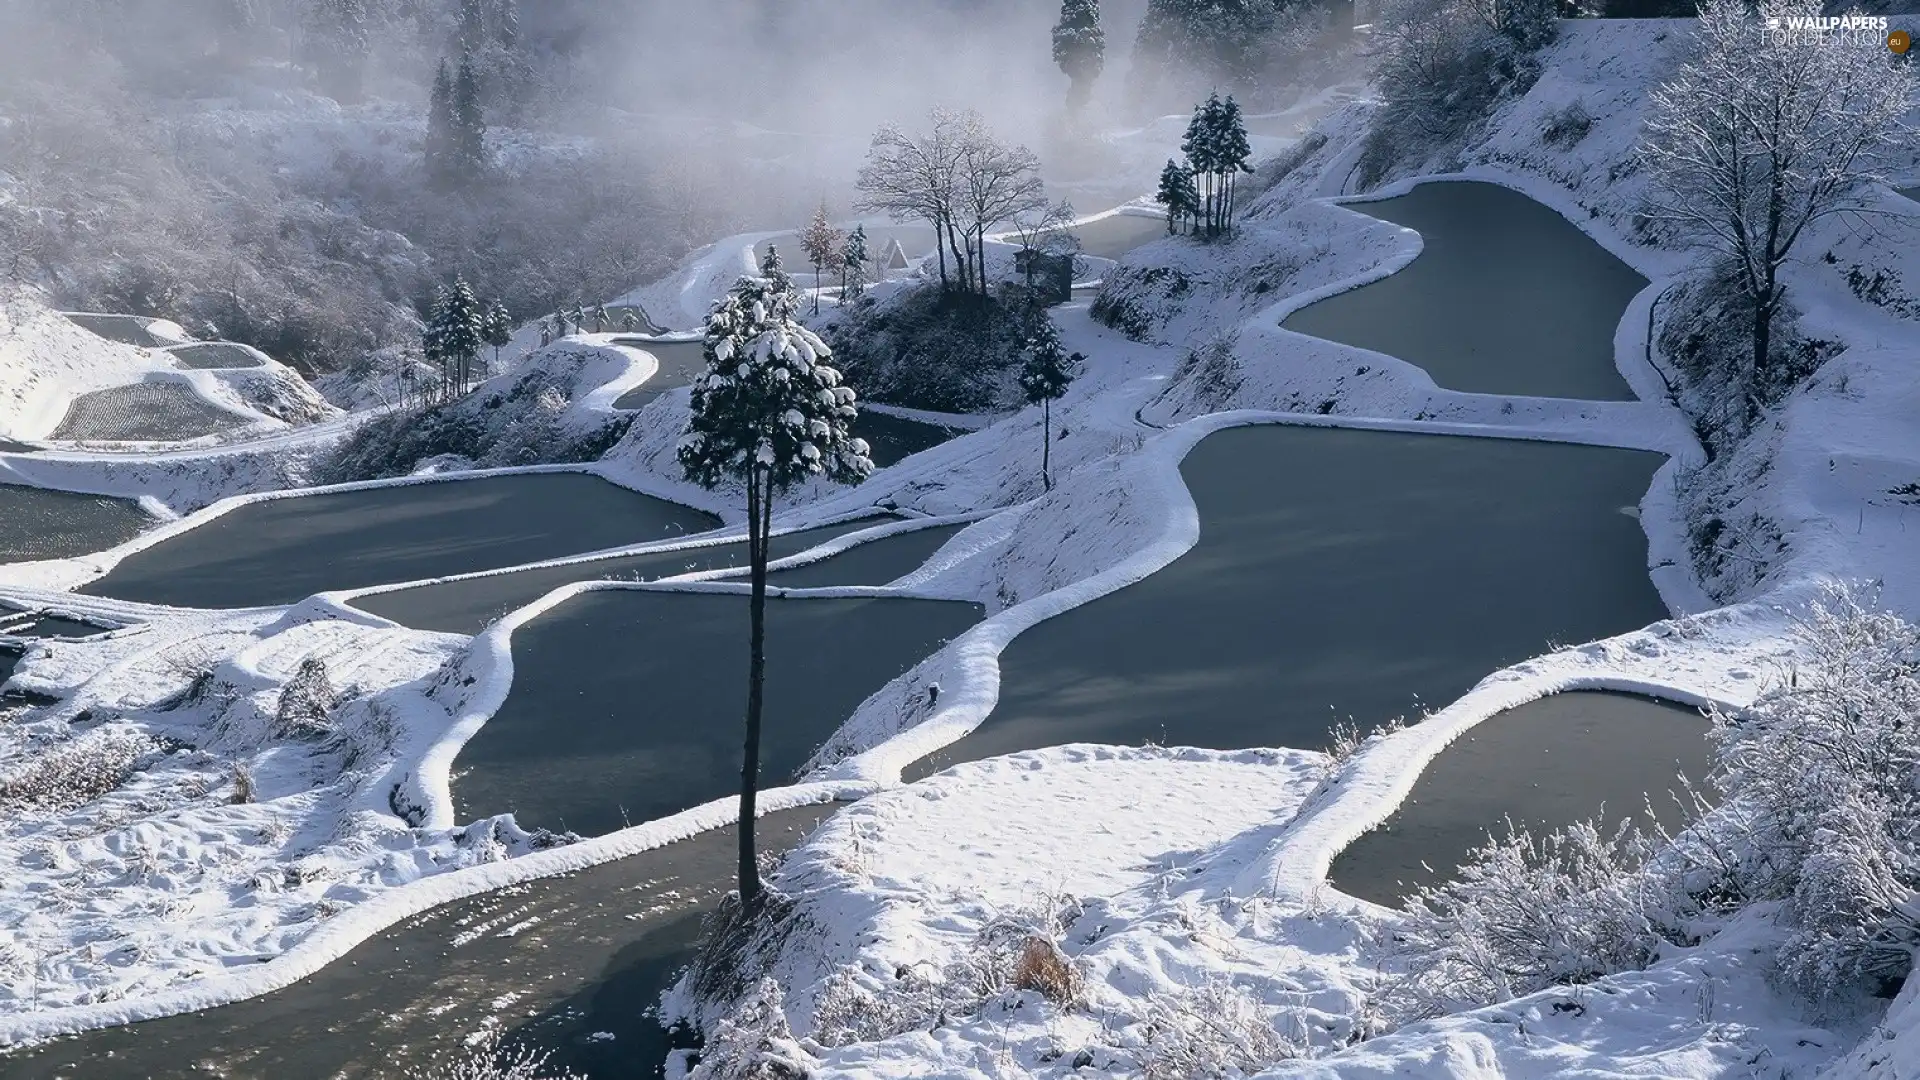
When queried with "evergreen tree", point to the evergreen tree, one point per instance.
{"points": [[768, 412], [853, 264], [1043, 380], [469, 146], [771, 269], [455, 333], [498, 328], [822, 243], [337, 41], [1202, 154], [439, 146], [1079, 47], [1177, 194], [1232, 152]]}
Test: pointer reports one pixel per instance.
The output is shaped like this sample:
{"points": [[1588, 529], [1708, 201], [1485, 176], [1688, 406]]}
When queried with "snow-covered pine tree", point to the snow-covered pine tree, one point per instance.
{"points": [[497, 326], [440, 123], [1231, 152], [455, 333], [853, 264], [469, 122], [822, 243], [1177, 194], [1201, 146], [1043, 380], [768, 412], [507, 23], [472, 33], [772, 269], [1079, 47]]}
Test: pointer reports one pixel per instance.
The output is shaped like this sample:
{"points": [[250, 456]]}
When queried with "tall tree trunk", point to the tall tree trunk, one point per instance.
{"points": [[816, 288], [959, 260], [759, 500], [1046, 443], [939, 223]]}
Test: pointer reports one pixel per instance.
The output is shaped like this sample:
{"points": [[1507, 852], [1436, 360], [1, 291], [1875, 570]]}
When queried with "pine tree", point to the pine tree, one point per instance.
{"points": [[469, 122], [768, 412], [1233, 152], [1203, 157], [822, 243], [455, 333], [1079, 47], [1177, 194], [771, 269], [498, 328], [853, 264], [439, 146], [1043, 380], [472, 33]]}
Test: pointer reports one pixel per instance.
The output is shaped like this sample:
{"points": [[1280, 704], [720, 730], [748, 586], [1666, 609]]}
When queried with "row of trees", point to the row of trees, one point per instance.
{"points": [[459, 326], [1200, 191], [957, 178]]}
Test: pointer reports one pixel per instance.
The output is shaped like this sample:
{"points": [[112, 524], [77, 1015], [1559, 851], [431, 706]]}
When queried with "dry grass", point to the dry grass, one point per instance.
{"points": [[1045, 969]]}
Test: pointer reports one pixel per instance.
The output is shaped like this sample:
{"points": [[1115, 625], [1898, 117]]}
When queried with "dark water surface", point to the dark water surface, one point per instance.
{"points": [[125, 329], [1546, 764], [284, 550], [36, 523], [626, 704], [1339, 573], [1506, 297], [557, 962], [1112, 237]]}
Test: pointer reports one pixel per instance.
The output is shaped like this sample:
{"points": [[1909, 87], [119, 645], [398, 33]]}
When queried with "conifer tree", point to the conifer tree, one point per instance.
{"points": [[439, 145], [455, 333], [1044, 378], [1231, 152], [498, 328], [469, 122], [337, 40], [1079, 47], [853, 264], [472, 32], [1177, 194], [507, 24], [768, 412]]}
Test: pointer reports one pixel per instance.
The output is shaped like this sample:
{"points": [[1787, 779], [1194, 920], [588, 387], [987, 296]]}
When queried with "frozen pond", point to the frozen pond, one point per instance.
{"points": [[1506, 297], [1112, 237], [1339, 573], [125, 329], [591, 739], [214, 355], [283, 550], [1547, 764], [679, 361], [36, 523], [144, 412], [601, 946], [469, 605]]}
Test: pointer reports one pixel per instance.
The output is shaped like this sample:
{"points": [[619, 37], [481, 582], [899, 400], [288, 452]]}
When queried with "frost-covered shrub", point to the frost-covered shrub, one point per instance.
{"points": [[753, 1042], [1526, 913], [74, 773], [929, 349], [1566, 126], [1216, 1031], [1702, 336], [306, 701], [1822, 782]]}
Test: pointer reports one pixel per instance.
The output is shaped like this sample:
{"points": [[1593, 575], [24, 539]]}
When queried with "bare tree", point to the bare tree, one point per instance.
{"points": [[999, 183], [1050, 230], [1764, 133], [916, 178]]}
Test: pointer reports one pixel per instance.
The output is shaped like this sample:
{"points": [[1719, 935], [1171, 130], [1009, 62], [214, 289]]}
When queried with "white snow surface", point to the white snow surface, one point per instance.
{"points": [[1193, 866]]}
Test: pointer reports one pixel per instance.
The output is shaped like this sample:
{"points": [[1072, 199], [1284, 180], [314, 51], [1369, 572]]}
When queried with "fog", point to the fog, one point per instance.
{"points": [[180, 158]]}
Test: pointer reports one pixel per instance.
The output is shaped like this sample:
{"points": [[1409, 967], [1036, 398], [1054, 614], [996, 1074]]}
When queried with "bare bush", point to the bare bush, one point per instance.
{"points": [[1526, 913], [243, 791], [75, 773], [753, 1042], [1215, 1031], [306, 702]]}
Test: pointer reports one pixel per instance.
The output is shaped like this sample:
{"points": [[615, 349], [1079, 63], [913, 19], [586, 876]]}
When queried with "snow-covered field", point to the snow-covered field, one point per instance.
{"points": [[134, 882]]}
